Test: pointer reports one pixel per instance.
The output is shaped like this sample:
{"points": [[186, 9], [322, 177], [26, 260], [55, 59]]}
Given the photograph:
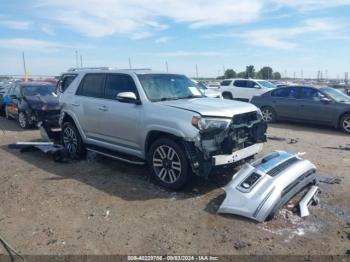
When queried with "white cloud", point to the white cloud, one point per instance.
{"points": [[98, 18], [15, 24], [306, 5], [181, 53], [36, 45], [162, 40], [285, 37], [48, 30], [141, 35]]}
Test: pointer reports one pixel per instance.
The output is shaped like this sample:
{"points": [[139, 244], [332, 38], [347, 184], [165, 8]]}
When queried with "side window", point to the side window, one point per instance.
{"points": [[250, 84], [117, 83], [285, 92], [225, 83], [240, 83], [310, 94], [92, 85], [64, 82]]}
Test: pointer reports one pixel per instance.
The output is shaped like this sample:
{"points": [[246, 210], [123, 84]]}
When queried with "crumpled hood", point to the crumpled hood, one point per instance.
{"points": [[38, 102], [212, 106]]}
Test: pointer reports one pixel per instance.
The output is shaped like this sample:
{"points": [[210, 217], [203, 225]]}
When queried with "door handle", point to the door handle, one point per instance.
{"points": [[103, 108], [75, 104]]}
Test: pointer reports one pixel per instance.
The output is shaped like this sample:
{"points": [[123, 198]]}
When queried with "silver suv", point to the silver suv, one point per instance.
{"points": [[162, 119]]}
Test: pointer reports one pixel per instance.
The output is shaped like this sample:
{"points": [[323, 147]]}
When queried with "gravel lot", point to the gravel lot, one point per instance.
{"points": [[102, 206]]}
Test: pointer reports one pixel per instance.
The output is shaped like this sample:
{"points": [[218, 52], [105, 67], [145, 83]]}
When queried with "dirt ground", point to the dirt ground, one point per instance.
{"points": [[102, 206]]}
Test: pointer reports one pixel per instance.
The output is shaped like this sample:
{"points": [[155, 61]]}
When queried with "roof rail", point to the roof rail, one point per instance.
{"points": [[88, 68], [135, 69]]}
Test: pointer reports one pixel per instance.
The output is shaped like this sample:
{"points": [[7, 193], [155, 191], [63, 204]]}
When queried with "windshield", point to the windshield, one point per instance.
{"points": [[161, 87], [336, 94], [43, 90], [266, 84]]}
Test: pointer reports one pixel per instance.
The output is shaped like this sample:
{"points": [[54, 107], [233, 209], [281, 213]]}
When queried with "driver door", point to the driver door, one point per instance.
{"points": [[120, 121], [312, 109]]}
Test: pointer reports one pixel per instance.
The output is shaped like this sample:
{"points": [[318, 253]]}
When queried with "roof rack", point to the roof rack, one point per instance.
{"points": [[135, 69], [88, 68]]}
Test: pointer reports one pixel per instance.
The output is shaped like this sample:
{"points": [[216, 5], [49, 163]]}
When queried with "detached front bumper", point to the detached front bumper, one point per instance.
{"points": [[237, 156]]}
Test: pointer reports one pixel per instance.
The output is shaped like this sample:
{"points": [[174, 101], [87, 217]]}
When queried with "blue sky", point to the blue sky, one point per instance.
{"points": [[289, 35]]}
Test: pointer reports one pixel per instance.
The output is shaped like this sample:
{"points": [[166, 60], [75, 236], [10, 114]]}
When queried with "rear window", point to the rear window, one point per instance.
{"points": [[92, 85], [225, 83]]}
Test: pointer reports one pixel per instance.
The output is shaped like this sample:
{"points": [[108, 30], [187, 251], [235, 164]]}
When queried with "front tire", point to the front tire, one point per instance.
{"points": [[168, 163], [72, 142], [23, 120], [345, 123], [268, 114]]}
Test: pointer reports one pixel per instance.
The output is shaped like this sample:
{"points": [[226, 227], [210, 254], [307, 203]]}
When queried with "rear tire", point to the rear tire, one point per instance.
{"points": [[227, 95], [345, 123], [168, 163], [268, 114], [23, 120], [72, 142]]}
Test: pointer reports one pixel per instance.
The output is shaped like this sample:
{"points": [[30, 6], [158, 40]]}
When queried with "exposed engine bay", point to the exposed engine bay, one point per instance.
{"points": [[258, 190], [243, 131]]}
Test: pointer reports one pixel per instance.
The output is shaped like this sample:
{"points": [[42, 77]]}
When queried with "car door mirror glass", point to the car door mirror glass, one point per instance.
{"points": [[257, 86]]}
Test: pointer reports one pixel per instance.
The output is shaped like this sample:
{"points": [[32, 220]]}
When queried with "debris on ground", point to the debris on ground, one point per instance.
{"points": [[10, 250], [241, 244], [340, 147], [329, 179]]}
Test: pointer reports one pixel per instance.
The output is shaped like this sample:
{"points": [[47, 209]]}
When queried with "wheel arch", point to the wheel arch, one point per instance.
{"points": [[153, 135], [341, 116], [66, 117], [228, 93]]}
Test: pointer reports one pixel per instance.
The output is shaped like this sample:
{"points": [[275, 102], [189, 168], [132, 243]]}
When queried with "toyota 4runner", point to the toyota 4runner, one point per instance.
{"points": [[162, 119]]}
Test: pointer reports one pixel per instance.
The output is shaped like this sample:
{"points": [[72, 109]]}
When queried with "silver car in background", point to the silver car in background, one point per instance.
{"points": [[142, 116]]}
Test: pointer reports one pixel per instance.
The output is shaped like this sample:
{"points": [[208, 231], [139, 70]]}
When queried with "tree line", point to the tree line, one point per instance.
{"points": [[265, 72]]}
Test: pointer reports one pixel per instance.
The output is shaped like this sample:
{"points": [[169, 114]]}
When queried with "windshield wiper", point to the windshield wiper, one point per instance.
{"points": [[190, 96]]}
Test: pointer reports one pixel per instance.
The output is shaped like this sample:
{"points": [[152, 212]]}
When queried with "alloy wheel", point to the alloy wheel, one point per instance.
{"points": [[267, 115], [70, 140], [346, 124], [22, 120], [166, 164]]}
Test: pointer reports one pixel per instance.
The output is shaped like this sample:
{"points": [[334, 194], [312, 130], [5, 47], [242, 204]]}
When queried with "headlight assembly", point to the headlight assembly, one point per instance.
{"points": [[204, 123]]}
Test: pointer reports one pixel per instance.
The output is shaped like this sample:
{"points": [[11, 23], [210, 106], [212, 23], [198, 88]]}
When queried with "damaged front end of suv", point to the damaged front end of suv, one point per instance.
{"points": [[222, 141]]}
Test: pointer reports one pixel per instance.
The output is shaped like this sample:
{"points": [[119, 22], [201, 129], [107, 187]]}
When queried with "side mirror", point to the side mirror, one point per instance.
{"points": [[257, 86], [13, 97], [325, 100], [128, 97]]}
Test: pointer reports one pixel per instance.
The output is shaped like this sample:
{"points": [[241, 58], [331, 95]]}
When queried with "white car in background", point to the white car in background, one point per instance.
{"points": [[244, 89], [206, 91]]}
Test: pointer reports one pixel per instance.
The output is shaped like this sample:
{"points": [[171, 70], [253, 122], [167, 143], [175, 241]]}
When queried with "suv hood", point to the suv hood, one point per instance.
{"points": [[37, 102], [212, 106]]}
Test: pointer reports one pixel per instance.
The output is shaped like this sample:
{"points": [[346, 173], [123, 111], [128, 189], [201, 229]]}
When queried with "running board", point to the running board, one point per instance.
{"points": [[116, 155]]}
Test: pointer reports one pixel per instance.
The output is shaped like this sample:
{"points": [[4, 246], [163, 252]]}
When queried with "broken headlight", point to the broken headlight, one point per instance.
{"points": [[204, 123]]}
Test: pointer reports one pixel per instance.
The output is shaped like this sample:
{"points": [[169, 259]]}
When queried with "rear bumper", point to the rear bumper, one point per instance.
{"points": [[237, 155]]}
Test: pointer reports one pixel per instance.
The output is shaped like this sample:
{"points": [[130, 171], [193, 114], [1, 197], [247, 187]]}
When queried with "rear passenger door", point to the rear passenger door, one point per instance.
{"points": [[120, 122], [284, 101], [88, 102]]}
